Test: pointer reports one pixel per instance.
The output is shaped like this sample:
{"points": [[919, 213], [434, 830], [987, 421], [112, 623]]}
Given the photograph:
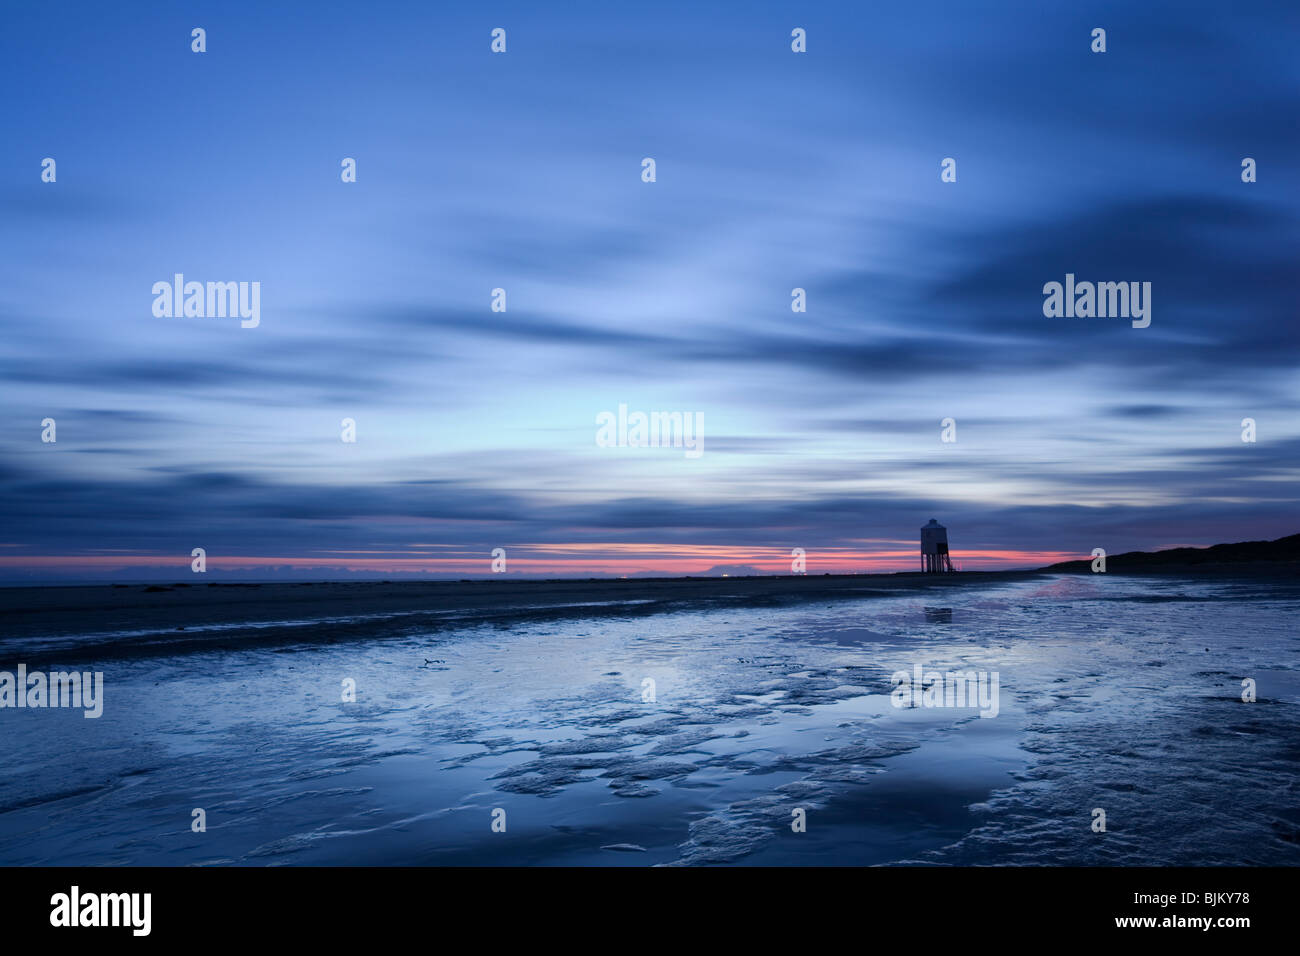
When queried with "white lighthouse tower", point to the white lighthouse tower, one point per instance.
{"points": [[934, 549]]}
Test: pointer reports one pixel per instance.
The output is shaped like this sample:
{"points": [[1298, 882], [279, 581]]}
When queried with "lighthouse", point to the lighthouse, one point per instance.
{"points": [[934, 549]]}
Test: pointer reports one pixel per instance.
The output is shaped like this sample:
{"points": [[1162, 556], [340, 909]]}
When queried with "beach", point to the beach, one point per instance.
{"points": [[740, 721]]}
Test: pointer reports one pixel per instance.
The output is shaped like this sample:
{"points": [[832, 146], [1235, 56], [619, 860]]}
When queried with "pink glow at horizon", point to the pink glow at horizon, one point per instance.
{"points": [[560, 560]]}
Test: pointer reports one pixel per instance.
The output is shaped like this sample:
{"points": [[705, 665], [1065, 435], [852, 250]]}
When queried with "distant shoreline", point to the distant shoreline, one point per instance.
{"points": [[102, 621]]}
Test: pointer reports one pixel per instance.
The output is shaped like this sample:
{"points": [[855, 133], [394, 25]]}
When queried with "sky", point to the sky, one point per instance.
{"points": [[774, 170]]}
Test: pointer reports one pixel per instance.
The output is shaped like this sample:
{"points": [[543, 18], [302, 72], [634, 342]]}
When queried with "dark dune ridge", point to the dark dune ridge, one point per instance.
{"points": [[1282, 553]]}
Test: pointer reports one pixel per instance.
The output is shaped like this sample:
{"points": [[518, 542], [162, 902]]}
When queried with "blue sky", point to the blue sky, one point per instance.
{"points": [[522, 171]]}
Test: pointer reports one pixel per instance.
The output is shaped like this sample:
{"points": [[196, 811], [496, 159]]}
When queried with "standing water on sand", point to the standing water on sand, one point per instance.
{"points": [[759, 734]]}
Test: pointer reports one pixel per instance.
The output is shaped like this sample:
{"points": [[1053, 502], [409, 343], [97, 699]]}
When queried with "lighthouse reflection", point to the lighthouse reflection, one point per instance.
{"points": [[938, 615]]}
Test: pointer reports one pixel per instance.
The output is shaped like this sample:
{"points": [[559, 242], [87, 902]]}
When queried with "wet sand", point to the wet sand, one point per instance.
{"points": [[106, 621], [770, 696]]}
